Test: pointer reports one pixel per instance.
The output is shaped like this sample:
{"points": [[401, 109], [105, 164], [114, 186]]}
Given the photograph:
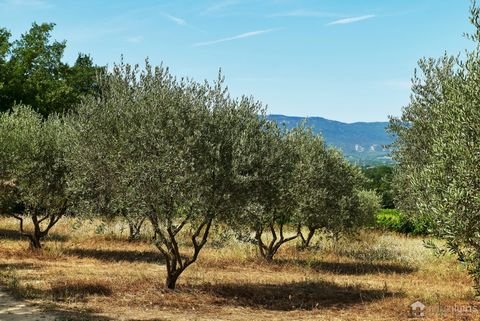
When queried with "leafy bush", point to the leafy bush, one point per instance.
{"points": [[393, 220], [380, 180]]}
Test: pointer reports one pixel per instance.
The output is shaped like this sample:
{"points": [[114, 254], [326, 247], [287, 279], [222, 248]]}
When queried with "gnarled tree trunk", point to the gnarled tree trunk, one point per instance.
{"points": [[134, 227], [306, 240], [166, 242], [268, 251], [38, 234]]}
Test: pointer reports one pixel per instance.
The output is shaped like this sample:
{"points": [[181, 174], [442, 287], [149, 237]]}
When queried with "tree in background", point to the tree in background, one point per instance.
{"points": [[32, 72], [4, 48], [438, 150], [380, 179], [300, 183], [273, 199], [311, 183], [369, 203], [330, 191], [33, 170]]}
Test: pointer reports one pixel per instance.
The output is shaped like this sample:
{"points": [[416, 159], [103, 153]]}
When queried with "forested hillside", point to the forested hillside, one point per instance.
{"points": [[362, 142]]}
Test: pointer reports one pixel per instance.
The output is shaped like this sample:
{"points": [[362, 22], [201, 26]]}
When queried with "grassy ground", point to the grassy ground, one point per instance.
{"points": [[91, 272]]}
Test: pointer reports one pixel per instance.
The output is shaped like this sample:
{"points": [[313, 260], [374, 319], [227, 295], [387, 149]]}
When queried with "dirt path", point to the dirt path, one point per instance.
{"points": [[15, 310]]}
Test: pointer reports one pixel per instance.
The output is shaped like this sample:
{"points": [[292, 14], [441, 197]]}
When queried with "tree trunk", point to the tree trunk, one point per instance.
{"points": [[35, 243], [167, 243], [306, 241], [134, 230], [269, 251], [132, 233], [269, 256], [311, 233], [171, 281], [37, 235]]}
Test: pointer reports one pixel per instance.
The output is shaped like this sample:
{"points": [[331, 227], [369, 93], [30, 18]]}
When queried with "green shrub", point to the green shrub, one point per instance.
{"points": [[393, 220]]}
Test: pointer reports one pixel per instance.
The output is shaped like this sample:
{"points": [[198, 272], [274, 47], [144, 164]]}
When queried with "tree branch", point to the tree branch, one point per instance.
{"points": [[176, 252], [22, 232], [274, 237]]}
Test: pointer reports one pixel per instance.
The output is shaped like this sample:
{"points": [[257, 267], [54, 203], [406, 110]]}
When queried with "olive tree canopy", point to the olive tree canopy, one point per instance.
{"points": [[33, 170], [168, 150], [330, 193], [438, 150]]}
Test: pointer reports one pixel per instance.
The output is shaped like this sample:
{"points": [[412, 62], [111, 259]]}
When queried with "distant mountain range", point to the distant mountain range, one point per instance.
{"points": [[364, 143]]}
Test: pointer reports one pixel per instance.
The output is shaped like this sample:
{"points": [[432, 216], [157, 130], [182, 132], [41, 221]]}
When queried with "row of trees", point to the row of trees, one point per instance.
{"points": [[183, 156]]}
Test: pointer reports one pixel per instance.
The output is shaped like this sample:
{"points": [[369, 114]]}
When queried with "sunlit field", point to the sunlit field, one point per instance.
{"points": [[90, 271]]}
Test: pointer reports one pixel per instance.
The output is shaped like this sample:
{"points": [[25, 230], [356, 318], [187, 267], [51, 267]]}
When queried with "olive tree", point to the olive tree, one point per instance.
{"points": [[311, 183], [33, 170], [438, 150], [166, 150], [369, 203], [270, 210], [349, 205], [329, 190]]}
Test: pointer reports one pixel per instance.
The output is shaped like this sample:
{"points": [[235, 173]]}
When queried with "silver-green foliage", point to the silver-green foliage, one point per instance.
{"points": [[438, 150], [272, 198], [300, 182], [172, 151], [330, 195], [33, 170]]}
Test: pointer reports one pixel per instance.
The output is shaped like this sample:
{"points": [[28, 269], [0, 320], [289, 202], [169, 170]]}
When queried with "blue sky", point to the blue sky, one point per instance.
{"points": [[348, 60]]}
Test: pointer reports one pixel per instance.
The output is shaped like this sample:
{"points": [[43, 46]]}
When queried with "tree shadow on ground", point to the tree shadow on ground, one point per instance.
{"points": [[17, 266], [295, 296], [61, 314], [149, 319], [14, 235], [50, 309], [66, 315], [76, 291], [60, 291], [118, 256], [351, 268]]}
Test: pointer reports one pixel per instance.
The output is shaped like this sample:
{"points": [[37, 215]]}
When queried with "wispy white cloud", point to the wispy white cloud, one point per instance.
{"points": [[26, 3], [135, 39], [93, 32], [349, 20], [177, 20], [219, 6], [120, 26], [240, 36], [182, 22], [304, 13]]}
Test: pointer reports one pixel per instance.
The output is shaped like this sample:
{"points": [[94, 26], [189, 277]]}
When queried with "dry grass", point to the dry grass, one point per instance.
{"points": [[86, 275]]}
